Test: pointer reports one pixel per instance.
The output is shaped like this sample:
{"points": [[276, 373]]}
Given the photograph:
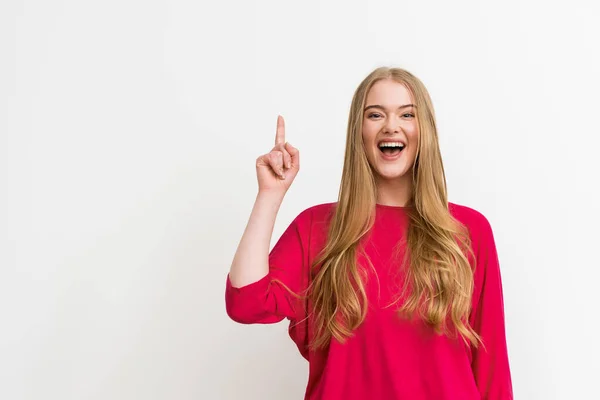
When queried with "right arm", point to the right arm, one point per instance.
{"points": [[249, 297], [250, 262]]}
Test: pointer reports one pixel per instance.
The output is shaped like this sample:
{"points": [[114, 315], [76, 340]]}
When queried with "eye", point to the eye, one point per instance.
{"points": [[409, 114], [374, 115]]}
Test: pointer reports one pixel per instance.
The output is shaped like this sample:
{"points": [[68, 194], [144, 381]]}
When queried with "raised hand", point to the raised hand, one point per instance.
{"points": [[277, 169]]}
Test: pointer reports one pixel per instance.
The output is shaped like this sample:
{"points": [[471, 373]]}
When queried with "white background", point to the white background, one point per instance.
{"points": [[128, 136]]}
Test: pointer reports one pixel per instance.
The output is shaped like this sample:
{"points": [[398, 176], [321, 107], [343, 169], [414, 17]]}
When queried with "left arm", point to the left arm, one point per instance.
{"points": [[490, 361]]}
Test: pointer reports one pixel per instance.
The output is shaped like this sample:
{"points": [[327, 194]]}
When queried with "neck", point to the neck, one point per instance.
{"points": [[395, 192]]}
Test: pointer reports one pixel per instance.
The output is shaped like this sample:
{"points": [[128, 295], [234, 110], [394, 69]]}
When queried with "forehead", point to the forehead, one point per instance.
{"points": [[388, 93]]}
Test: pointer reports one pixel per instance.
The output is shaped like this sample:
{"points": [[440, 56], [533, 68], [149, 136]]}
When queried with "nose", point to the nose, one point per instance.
{"points": [[392, 125]]}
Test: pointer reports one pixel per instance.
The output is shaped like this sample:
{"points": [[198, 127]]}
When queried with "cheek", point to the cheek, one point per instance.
{"points": [[412, 131], [413, 136], [368, 134]]}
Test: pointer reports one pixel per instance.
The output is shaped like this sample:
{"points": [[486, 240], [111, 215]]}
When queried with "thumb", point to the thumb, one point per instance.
{"points": [[294, 153]]}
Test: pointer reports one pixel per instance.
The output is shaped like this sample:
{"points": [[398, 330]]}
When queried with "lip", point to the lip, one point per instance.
{"points": [[387, 157]]}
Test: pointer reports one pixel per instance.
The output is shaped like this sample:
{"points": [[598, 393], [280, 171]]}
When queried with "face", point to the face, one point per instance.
{"points": [[390, 117]]}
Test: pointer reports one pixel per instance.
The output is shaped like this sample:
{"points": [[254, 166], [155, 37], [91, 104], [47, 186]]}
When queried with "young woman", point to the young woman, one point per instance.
{"points": [[392, 292]]}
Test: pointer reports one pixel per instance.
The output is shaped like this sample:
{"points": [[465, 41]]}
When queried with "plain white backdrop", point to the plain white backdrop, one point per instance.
{"points": [[128, 135]]}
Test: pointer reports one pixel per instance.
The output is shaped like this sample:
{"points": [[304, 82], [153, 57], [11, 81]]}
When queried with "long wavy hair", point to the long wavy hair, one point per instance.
{"points": [[439, 278]]}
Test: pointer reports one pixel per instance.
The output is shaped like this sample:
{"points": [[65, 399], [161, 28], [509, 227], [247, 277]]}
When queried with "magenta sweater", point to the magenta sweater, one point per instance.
{"points": [[387, 357]]}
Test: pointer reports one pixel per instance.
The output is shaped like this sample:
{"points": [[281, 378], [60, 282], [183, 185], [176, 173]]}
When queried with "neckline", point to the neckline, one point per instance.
{"points": [[391, 207]]}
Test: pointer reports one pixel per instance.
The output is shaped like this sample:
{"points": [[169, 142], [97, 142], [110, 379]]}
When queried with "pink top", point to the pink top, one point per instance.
{"points": [[386, 358]]}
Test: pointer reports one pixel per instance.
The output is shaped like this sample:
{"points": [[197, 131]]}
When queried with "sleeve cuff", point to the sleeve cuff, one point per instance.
{"points": [[254, 288]]}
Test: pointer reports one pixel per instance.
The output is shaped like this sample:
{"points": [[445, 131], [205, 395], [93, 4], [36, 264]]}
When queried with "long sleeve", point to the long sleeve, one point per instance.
{"points": [[490, 363], [266, 300]]}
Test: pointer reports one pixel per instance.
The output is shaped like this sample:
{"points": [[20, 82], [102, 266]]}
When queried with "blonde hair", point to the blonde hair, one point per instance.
{"points": [[439, 278]]}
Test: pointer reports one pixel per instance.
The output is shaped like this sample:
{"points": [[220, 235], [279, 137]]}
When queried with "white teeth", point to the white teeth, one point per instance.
{"points": [[391, 144]]}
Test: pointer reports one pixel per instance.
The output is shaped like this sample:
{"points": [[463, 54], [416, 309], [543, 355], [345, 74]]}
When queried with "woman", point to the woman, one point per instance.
{"points": [[392, 292]]}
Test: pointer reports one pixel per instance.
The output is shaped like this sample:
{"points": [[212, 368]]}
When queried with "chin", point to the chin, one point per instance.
{"points": [[391, 170], [391, 175]]}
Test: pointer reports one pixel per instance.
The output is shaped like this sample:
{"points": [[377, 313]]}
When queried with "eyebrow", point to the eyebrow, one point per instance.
{"points": [[381, 107]]}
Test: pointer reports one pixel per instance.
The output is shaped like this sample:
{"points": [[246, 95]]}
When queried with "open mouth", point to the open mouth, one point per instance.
{"points": [[391, 148]]}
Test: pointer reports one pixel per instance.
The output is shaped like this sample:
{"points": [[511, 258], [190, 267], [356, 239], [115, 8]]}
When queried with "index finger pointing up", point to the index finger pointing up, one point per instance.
{"points": [[280, 135]]}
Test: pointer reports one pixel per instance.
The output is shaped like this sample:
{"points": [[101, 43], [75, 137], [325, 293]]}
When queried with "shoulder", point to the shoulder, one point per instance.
{"points": [[468, 216], [311, 219], [316, 213], [476, 222]]}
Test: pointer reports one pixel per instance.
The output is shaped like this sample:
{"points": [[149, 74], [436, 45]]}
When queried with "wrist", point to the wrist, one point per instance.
{"points": [[270, 196]]}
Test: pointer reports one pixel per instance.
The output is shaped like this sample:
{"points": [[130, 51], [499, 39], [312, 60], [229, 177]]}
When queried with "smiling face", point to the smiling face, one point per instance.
{"points": [[390, 117]]}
